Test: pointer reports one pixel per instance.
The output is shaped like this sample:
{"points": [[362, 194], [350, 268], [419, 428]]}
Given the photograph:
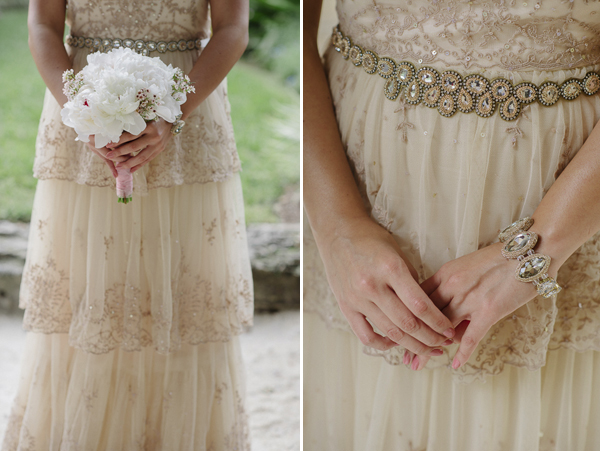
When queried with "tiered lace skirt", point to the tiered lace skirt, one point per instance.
{"points": [[444, 187], [133, 312], [357, 402]]}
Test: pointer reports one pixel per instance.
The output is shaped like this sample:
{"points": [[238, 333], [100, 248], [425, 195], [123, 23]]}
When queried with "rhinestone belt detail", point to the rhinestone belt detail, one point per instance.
{"points": [[450, 92], [140, 46]]}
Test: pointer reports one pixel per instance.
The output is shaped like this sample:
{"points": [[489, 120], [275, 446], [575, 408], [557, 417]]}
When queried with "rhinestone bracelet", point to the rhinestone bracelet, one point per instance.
{"points": [[450, 92], [140, 46], [177, 125], [532, 267]]}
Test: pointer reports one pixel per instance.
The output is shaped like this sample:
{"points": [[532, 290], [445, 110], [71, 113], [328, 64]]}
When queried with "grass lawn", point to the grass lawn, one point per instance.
{"points": [[264, 111]]}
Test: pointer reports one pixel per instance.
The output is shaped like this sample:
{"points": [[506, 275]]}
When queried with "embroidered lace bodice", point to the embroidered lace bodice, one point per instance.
{"points": [[147, 20], [478, 35], [205, 151]]}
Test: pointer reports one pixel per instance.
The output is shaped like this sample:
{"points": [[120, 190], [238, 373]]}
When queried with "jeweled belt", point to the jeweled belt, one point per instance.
{"points": [[140, 46], [450, 92]]}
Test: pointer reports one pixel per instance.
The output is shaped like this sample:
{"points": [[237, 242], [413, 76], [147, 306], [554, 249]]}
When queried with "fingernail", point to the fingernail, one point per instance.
{"points": [[110, 154], [436, 352], [406, 359], [447, 342], [415, 363], [455, 363], [450, 333]]}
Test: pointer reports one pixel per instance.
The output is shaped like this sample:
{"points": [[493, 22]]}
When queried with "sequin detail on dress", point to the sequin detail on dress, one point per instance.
{"points": [[450, 92]]}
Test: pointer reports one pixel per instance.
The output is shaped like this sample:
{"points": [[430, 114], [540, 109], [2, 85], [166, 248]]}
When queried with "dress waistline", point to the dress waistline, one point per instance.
{"points": [[450, 91], [140, 46]]}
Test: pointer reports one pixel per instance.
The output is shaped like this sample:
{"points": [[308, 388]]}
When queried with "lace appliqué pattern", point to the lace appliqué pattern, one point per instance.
{"points": [[202, 312], [172, 19], [541, 35]]}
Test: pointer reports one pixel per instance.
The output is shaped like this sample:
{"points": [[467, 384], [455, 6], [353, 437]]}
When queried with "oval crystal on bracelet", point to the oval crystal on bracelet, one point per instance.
{"points": [[520, 244], [532, 267], [520, 225]]}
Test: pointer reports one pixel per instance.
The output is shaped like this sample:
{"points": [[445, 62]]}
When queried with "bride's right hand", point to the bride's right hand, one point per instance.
{"points": [[102, 154], [371, 279]]}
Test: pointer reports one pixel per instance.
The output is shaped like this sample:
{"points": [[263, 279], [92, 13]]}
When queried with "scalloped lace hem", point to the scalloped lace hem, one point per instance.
{"points": [[467, 373]]}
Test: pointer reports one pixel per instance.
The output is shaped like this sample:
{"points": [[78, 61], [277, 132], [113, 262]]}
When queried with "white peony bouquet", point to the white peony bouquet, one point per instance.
{"points": [[121, 91]]}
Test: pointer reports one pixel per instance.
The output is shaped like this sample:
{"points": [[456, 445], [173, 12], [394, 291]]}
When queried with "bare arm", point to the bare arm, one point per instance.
{"points": [[569, 214], [325, 165], [366, 270], [46, 23], [226, 46]]}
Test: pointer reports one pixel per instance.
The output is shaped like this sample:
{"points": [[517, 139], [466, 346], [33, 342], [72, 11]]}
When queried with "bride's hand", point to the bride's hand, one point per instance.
{"points": [[148, 144], [101, 152], [480, 288], [370, 278]]}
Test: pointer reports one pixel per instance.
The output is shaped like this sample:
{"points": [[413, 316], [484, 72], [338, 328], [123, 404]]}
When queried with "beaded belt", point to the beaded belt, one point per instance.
{"points": [[143, 47], [449, 92]]}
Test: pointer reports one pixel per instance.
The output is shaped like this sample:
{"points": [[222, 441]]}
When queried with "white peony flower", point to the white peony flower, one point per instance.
{"points": [[119, 91]]}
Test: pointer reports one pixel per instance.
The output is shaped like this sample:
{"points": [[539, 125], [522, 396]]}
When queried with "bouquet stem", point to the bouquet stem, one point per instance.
{"points": [[124, 186]]}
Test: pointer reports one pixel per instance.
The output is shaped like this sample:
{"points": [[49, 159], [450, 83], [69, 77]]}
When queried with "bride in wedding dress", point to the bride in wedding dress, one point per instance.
{"points": [[431, 126], [133, 311]]}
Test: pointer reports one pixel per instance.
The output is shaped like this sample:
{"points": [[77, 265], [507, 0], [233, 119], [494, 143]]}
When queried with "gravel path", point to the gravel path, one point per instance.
{"points": [[272, 355]]}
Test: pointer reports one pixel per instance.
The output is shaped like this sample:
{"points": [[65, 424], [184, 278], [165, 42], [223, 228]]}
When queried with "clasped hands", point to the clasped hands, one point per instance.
{"points": [[376, 285], [134, 151]]}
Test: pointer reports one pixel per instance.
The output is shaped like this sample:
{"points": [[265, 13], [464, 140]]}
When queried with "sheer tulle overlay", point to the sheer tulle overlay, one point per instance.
{"points": [[169, 268], [356, 402], [71, 400]]}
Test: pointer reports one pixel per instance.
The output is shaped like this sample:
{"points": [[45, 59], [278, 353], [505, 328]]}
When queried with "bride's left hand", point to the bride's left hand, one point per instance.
{"points": [[480, 288], [149, 144]]}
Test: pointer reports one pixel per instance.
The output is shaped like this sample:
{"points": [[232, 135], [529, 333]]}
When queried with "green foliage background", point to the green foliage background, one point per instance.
{"points": [[275, 37], [264, 100]]}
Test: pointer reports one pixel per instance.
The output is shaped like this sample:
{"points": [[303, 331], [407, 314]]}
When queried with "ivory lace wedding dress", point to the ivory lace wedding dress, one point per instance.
{"points": [[444, 183], [134, 310]]}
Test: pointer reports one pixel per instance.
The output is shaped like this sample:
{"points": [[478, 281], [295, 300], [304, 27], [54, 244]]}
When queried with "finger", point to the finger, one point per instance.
{"points": [[148, 160], [476, 330], [130, 147], [393, 332], [440, 299], [125, 137], [112, 168], [421, 306], [103, 151], [365, 333], [430, 285], [402, 317], [419, 362], [457, 311], [461, 328], [109, 163], [140, 159], [408, 357]]}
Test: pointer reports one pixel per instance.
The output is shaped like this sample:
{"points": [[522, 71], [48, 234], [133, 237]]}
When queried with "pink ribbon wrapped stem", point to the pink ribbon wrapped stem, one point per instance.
{"points": [[124, 185]]}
